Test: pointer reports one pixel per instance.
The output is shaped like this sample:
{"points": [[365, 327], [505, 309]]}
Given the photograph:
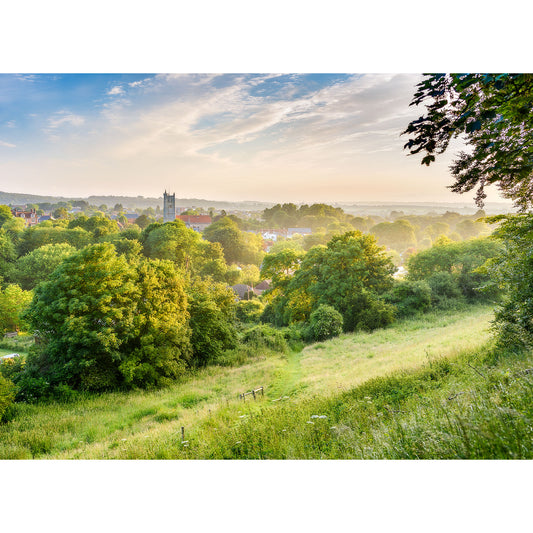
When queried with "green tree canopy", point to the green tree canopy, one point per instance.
{"points": [[38, 265], [5, 214], [460, 260], [13, 304], [105, 322], [399, 234], [238, 246], [493, 113], [37, 236], [348, 274]]}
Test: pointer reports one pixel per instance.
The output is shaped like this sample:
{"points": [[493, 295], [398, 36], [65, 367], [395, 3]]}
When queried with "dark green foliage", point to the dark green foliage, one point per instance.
{"points": [[513, 271], [445, 292], [325, 322], [249, 310], [454, 270], [367, 312], [349, 274], [264, 336], [7, 395], [212, 311], [409, 297], [494, 113]]}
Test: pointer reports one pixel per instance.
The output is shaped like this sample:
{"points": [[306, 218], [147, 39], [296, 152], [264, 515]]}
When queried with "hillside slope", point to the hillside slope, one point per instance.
{"points": [[144, 424]]}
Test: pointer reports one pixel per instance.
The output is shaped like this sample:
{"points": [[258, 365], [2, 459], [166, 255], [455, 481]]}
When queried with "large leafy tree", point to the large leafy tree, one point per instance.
{"points": [[349, 274], [104, 321], [185, 248], [460, 262], [238, 246], [212, 309], [513, 270], [493, 113], [38, 265]]}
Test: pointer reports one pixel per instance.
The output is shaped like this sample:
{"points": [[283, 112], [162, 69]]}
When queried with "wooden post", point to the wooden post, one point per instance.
{"points": [[262, 391], [182, 433], [253, 392]]}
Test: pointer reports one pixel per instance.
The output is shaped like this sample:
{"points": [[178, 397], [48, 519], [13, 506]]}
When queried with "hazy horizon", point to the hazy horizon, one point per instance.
{"points": [[301, 138]]}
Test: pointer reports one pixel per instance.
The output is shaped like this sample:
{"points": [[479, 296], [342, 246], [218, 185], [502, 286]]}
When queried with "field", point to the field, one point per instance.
{"points": [[353, 396]]}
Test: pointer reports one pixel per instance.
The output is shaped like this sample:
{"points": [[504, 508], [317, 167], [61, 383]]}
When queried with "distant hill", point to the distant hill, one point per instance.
{"points": [[132, 201], [360, 208]]}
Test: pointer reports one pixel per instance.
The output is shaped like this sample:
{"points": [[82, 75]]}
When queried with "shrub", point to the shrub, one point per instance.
{"points": [[410, 297], [263, 336], [325, 322], [7, 395], [376, 314], [445, 291], [249, 310]]}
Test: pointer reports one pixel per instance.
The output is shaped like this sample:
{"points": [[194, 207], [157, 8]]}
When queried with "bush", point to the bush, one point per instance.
{"points": [[376, 314], [7, 395], [325, 322], [249, 310], [410, 297], [264, 336], [445, 291], [367, 312], [295, 335]]}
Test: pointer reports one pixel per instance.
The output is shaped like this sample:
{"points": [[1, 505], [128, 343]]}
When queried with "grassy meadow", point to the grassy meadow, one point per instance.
{"points": [[430, 387]]}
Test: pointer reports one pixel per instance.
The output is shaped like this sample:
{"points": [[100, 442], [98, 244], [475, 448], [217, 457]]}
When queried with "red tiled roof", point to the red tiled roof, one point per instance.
{"points": [[195, 219]]}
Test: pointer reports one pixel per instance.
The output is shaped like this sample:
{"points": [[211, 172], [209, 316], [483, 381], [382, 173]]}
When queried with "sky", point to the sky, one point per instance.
{"points": [[265, 137]]}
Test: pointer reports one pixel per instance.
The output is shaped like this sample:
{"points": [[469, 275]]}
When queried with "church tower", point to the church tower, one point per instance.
{"points": [[169, 207]]}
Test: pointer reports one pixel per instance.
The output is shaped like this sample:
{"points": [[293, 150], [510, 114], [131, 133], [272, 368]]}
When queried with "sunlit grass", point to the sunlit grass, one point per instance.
{"points": [[319, 381]]}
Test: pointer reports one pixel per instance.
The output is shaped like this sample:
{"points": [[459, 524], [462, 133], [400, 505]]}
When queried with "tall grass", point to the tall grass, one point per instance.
{"points": [[429, 387]]}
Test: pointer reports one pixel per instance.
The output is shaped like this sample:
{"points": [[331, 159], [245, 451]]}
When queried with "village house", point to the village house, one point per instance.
{"points": [[195, 222], [299, 231], [28, 215]]}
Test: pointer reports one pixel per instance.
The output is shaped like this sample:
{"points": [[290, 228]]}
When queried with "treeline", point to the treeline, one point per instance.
{"points": [[348, 284], [114, 308], [399, 232]]}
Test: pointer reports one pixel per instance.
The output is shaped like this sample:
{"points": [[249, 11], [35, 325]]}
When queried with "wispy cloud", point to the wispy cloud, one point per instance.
{"points": [[234, 133], [117, 89], [65, 118], [7, 145]]}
